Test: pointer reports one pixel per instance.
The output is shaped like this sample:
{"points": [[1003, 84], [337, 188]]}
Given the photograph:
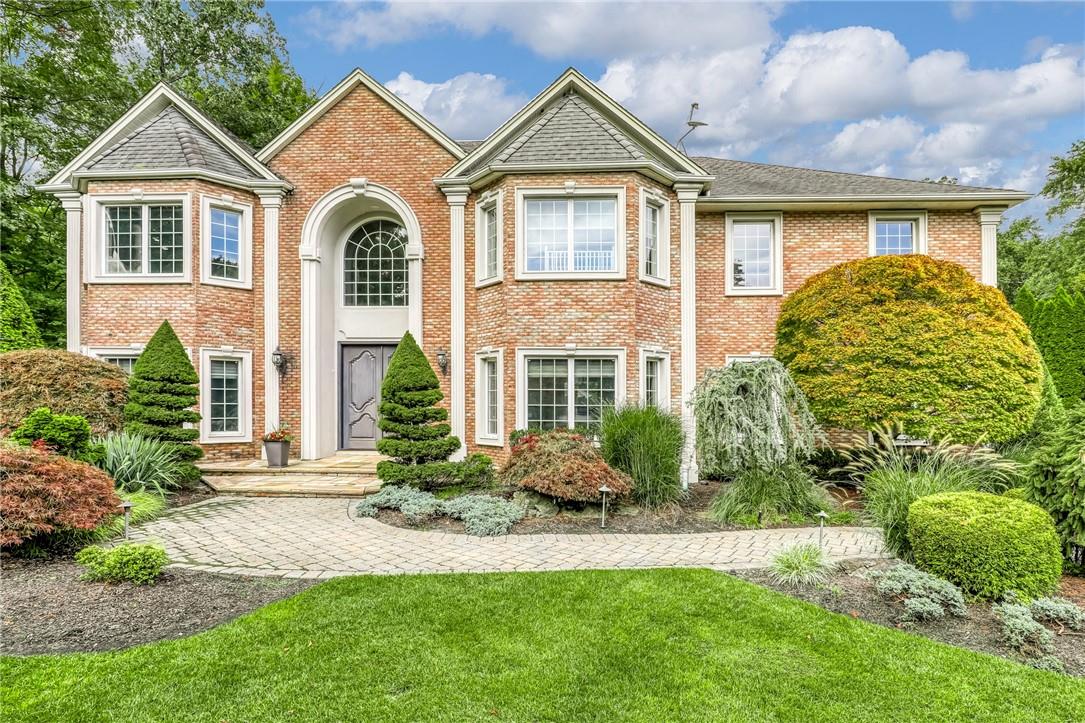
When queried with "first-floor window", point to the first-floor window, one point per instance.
{"points": [[125, 362], [564, 392], [651, 381], [225, 404], [489, 371]]}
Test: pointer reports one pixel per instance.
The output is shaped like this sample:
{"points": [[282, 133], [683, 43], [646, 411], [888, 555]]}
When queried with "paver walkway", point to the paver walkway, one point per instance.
{"points": [[320, 537]]}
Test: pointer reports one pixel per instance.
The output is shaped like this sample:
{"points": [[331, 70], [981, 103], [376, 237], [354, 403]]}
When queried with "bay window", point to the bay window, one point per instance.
{"points": [[225, 242], [488, 239], [655, 378], [489, 401], [562, 390], [225, 395], [145, 239], [655, 261], [579, 235]]}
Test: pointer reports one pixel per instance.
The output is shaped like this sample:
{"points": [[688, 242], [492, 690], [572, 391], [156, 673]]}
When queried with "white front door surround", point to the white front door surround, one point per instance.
{"points": [[325, 321]]}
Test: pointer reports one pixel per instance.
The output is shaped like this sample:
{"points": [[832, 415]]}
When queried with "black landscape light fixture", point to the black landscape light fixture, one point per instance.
{"points": [[604, 490]]}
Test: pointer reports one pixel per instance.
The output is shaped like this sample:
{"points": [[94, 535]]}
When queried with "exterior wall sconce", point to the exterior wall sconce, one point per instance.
{"points": [[280, 360], [442, 361]]}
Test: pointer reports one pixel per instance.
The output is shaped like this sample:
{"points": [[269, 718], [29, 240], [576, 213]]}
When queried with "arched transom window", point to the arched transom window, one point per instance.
{"points": [[375, 265]]}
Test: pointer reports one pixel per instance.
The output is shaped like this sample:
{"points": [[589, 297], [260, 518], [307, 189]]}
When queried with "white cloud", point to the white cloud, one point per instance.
{"points": [[467, 106], [873, 141], [553, 29], [962, 10]]}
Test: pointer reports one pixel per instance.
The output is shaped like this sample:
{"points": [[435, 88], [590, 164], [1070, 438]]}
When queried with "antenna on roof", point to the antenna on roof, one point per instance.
{"points": [[693, 125]]}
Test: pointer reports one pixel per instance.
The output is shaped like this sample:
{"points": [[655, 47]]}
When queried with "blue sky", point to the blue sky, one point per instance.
{"points": [[982, 91]]}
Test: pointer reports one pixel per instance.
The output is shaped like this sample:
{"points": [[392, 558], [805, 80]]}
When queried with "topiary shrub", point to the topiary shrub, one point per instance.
{"points": [[986, 544], [1057, 478], [416, 435], [17, 327], [563, 465], [646, 444], [66, 383], [161, 397], [751, 415], [43, 493], [137, 564], [65, 434], [912, 340]]}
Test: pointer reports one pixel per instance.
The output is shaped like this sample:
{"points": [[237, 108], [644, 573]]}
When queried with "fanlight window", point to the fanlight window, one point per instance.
{"points": [[375, 265]]}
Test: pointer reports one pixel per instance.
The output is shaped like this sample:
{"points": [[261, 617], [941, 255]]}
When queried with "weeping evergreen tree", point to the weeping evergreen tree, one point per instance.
{"points": [[17, 327], [751, 415], [417, 435], [162, 391]]}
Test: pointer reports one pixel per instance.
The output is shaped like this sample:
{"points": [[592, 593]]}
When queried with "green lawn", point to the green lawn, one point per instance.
{"points": [[625, 645]]}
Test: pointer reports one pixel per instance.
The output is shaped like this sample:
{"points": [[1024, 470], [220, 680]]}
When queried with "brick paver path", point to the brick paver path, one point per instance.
{"points": [[320, 537]]}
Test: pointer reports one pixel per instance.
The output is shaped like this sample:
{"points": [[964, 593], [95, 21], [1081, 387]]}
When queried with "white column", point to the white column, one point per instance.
{"points": [[990, 217], [457, 357], [310, 355], [687, 197], [271, 203], [73, 274]]}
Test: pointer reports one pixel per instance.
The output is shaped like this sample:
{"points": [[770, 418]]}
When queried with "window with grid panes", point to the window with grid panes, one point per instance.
{"points": [[489, 370], [894, 237], [145, 239], [651, 381], [225, 406], [375, 265], [124, 362], [651, 240], [578, 235], [569, 392], [490, 251], [751, 255], [225, 244]]}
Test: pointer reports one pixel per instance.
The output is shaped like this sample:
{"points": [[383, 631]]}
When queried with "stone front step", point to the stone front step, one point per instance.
{"points": [[349, 464], [293, 485]]}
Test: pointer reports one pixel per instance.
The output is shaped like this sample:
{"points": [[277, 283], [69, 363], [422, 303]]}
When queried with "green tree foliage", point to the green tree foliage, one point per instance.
{"points": [[1025, 304], [17, 327], [162, 392], [1058, 326], [751, 415], [72, 67], [1057, 482], [416, 434], [915, 341]]}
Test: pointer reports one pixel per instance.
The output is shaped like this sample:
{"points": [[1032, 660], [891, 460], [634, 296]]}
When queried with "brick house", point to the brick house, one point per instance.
{"points": [[572, 260]]}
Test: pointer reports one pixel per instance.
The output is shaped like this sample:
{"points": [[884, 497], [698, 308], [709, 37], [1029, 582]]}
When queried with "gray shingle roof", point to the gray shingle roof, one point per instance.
{"points": [[569, 131], [742, 178], [169, 140], [469, 145]]}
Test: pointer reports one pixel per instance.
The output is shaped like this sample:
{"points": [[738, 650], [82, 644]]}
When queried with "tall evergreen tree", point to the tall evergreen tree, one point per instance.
{"points": [[417, 435], [17, 327], [1059, 331], [1025, 304], [162, 392]]}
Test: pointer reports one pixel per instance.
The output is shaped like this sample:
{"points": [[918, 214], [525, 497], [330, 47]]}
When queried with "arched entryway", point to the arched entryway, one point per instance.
{"points": [[361, 288]]}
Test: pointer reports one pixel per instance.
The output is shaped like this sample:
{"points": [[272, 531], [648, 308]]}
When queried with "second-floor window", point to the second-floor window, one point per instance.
{"points": [[578, 235], [225, 244], [754, 248], [145, 239], [652, 217]]}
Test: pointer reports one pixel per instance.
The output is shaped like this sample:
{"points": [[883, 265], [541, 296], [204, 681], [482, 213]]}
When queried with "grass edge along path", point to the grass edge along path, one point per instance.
{"points": [[651, 645]]}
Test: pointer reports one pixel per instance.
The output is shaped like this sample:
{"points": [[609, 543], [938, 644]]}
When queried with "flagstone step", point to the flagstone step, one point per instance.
{"points": [[293, 485], [348, 464]]}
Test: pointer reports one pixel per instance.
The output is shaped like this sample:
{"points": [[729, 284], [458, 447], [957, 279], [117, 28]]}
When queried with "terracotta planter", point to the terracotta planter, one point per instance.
{"points": [[278, 453]]}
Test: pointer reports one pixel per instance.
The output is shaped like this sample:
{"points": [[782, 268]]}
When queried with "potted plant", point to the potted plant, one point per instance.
{"points": [[277, 446]]}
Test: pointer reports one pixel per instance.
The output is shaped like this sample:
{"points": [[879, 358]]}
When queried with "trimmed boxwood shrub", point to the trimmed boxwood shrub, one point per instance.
{"points": [[17, 327], [66, 383], [137, 564], [986, 544], [43, 493], [563, 465], [65, 434], [161, 397], [912, 340]]}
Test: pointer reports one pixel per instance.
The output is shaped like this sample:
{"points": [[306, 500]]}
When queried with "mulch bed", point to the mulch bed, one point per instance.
{"points": [[849, 593], [46, 608], [691, 515]]}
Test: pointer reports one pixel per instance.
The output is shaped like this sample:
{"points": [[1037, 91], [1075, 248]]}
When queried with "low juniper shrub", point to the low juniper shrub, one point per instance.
{"points": [[413, 503], [925, 597], [1021, 631], [137, 564], [1047, 662], [1058, 611], [483, 515]]}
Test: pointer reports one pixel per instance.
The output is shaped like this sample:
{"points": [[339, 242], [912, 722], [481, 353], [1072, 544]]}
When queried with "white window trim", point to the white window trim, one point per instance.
{"points": [[571, 189], [481, 436], [244, 246], [244, 401], [101, 353], [95, 256], [918, 217], [569, 351], [777, 288], [751, 357], [664, 205], [496, 201], [664, 357]]}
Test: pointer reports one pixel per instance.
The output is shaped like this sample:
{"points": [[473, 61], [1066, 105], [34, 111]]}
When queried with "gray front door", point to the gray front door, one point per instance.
{"points": [[362, 368]]}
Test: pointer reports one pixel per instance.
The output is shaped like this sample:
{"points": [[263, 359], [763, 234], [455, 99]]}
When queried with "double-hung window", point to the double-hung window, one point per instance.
{"points": [[225, 395], [125, 362], [488, 240], [655, 385], [144, 239], [896, 233], [655, 239], [579, 235], [754, 254], [489, 418], [225, 240], [569, 391]]}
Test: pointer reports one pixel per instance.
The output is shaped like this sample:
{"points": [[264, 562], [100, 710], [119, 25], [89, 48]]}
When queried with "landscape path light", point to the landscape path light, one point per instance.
{"points": [[127, 507], [822, 516], [604, 490]]}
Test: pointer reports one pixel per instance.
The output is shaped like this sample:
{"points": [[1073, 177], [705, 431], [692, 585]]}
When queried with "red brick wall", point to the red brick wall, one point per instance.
{"points": [[202, 315]]}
